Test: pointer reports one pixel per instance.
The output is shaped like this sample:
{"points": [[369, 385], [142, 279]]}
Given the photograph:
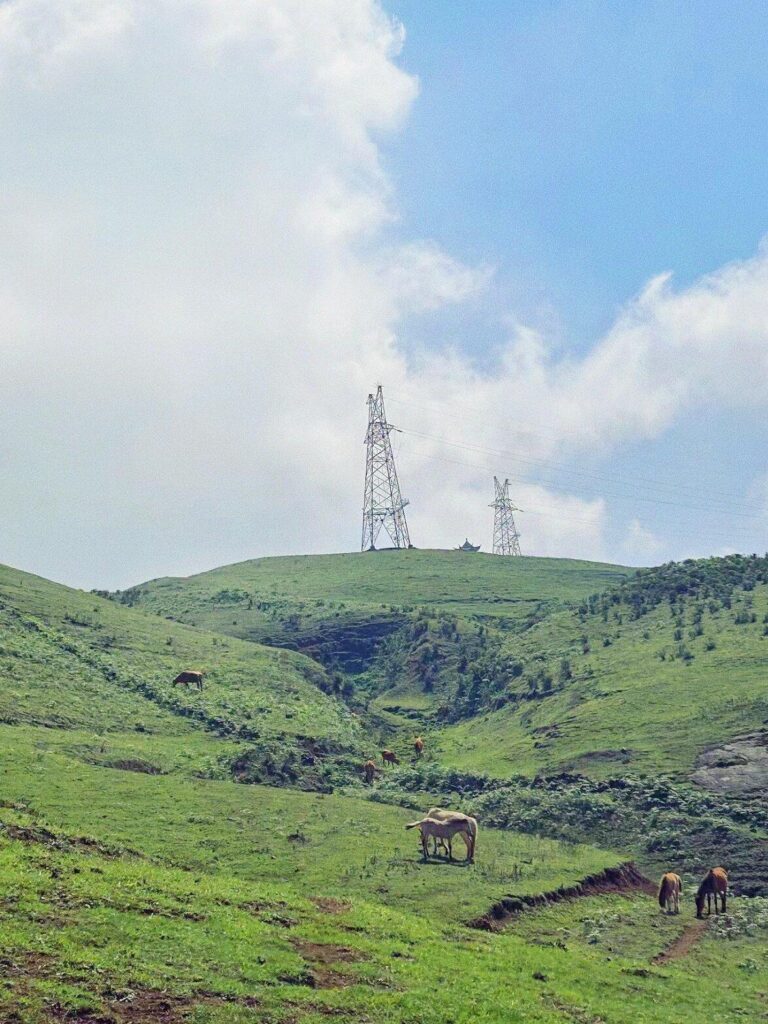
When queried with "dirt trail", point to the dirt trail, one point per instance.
{"points": [[683, 944], [623, 878]]}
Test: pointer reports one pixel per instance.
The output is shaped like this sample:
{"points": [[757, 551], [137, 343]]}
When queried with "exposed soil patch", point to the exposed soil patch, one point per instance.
{"points": [[323, 958], [327, 953], [133, 764], [329, 905], [147, 1006], [269, 913], [81, 844], [622, 879], [683, 943], [140, 1007]]}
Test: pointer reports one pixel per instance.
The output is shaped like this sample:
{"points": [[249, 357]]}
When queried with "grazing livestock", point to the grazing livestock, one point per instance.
{"points": [[669, 892], [418, 746], [369, 771], [194, 679], [389, 757], [469, 836], [431, 828], [715, 884]]}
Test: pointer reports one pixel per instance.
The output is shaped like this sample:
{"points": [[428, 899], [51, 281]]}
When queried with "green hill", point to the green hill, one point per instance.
{"points": [[392, 627], [142, 881], [649, 676], [102, 674], [302, 599]]}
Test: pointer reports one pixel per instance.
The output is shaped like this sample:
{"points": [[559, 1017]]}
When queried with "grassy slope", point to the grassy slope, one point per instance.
{"points": [[324, 588], [74, 660], [209, 901], [249, 904], [634, 709]]}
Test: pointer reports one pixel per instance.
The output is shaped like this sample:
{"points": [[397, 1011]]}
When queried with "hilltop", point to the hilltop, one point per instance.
{"points": [[290, 599], [382, 621]]}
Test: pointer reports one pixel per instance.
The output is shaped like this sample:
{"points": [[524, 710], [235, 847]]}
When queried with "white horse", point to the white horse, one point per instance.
{"points": [[431, 828], [469, 835]]}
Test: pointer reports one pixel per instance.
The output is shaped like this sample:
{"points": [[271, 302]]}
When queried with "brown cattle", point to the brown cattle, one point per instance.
{"points": [[715, 884], [191, 678], [389, 757], [369, 771], [418, 745]]}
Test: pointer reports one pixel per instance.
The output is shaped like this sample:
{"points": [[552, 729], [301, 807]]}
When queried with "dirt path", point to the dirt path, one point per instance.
{"points": [[683, 944], [623, 878]]}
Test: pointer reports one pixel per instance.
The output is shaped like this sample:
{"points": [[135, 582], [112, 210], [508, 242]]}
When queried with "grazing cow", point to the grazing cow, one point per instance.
{"points": [[369, 771], [669, 892], [389, 757], [431, 828], [418, 746], [715, 884], [194, 679], [469, 836]]}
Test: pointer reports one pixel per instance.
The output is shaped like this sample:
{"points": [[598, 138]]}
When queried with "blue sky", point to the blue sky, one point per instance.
{"points": [[583, 148]]}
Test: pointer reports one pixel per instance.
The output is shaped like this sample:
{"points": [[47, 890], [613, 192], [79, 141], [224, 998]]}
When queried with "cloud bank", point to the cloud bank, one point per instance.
{"points": [[200, 283]]}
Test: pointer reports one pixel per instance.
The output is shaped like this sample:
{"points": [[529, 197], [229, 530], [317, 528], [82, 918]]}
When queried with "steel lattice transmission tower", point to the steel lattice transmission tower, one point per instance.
{"points": [[383, 505], [506, 539]]}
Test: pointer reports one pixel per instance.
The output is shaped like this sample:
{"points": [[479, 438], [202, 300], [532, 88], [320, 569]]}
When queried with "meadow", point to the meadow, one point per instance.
{"points": [[146, 875]]}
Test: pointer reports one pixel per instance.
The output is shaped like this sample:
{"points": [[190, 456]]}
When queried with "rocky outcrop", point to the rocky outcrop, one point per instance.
{"points": [[739, 767]]}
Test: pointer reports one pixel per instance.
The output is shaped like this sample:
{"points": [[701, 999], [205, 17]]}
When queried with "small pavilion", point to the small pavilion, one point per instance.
{"points": [[466, 546]]}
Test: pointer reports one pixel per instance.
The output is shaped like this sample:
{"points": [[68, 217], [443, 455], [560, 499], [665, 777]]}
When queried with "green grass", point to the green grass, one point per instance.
{"points": [[95, 937], [183, 896], [340, 845], [75, 660], [326, 588], [625, 709], [235, 903]]}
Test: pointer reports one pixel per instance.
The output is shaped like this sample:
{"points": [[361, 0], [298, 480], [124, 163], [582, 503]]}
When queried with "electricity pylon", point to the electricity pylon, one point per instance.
{"points": [[506, 539], [383, 505]]}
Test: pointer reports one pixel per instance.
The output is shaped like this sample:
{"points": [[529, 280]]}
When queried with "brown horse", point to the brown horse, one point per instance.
{"points": [[418, 746], [369, 771], [715, 884], [669, 892], [191, 678], [389, 757]]}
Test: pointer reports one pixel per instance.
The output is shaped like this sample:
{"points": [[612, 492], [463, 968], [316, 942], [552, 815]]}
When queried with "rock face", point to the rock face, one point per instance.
{"points": [[739, 767]]}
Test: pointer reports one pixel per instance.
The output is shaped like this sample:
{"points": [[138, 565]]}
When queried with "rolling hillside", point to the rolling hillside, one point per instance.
{"points": [[141, 881], [345, 603], [654, 675], [520, 666], [101, 674]]}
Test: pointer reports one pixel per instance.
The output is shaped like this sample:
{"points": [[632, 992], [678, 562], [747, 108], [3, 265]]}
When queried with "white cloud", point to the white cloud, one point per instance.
{"points": [[198, 289], [642, 546]]}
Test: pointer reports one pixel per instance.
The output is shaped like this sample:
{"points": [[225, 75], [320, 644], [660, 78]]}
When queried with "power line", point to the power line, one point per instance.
{"points": [[407, 450], [500, 453], [558, 467]]}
